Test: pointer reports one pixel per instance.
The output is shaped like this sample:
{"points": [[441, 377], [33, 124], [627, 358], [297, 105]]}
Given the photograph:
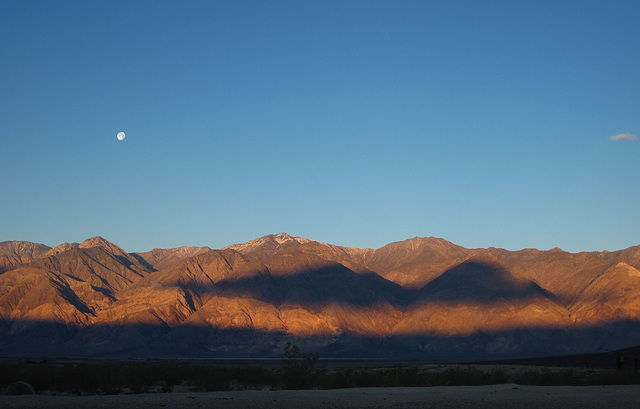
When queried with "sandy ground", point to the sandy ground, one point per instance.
{"points": [[493, 396]]}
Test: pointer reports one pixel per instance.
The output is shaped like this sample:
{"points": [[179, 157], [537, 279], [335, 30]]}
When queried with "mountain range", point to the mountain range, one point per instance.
{"points": [[421, 298]]}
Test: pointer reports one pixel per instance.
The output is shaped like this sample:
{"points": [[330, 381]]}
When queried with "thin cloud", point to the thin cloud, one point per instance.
{"points": [[623, 137]]}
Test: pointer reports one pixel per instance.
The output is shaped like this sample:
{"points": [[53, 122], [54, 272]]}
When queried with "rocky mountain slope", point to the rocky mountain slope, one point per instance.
{"points": [[423, 297], [15, 253]]}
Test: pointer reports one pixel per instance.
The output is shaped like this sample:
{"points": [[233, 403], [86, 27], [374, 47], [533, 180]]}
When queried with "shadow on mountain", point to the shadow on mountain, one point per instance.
{"points": [[472, 281], [50, 339], [68, 294], [321, 285], [480, 281], [108, 293], [142, 261]]}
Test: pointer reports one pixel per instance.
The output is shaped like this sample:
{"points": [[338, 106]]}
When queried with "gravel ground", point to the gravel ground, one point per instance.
{"points": [[493, 396]]}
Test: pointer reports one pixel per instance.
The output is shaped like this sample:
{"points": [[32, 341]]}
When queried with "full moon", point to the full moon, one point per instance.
{"points": [[120, 136]]}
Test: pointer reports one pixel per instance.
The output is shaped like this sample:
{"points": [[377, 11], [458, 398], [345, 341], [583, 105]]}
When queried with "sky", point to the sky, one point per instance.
{"points": [[357, 123]]}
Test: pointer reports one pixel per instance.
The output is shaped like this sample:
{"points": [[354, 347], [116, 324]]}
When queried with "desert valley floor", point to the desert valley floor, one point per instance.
{"points": [[454, 397]]}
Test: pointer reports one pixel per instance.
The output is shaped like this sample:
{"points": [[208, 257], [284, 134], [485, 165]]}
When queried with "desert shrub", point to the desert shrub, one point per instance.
{"points": [[337, 379], [253, 377], [462, 376], [210, 379], [297, 370]]}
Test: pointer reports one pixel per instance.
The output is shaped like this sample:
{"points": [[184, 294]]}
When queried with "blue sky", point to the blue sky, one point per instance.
{"points": [[356, 123]]}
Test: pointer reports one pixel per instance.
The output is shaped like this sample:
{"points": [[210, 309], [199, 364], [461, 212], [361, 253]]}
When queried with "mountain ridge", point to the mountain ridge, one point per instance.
{"points": [[253, 297]]}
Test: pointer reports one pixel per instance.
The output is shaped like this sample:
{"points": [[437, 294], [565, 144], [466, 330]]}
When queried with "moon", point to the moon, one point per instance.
{"points": [[120, 136]]}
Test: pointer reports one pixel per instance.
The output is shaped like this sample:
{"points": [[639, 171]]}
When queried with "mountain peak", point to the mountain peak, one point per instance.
{"points": [[283, 237], [60, 248], [22, 248], [98, 241], [417, 244], [268, 243], [14, 253]]}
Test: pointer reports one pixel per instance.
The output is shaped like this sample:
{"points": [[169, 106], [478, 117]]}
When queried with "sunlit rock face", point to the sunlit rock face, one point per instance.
{"points": [[15, 253], [421, 298]]}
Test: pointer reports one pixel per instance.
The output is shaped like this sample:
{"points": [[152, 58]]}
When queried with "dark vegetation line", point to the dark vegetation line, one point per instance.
{"points": [[296, 370]]}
